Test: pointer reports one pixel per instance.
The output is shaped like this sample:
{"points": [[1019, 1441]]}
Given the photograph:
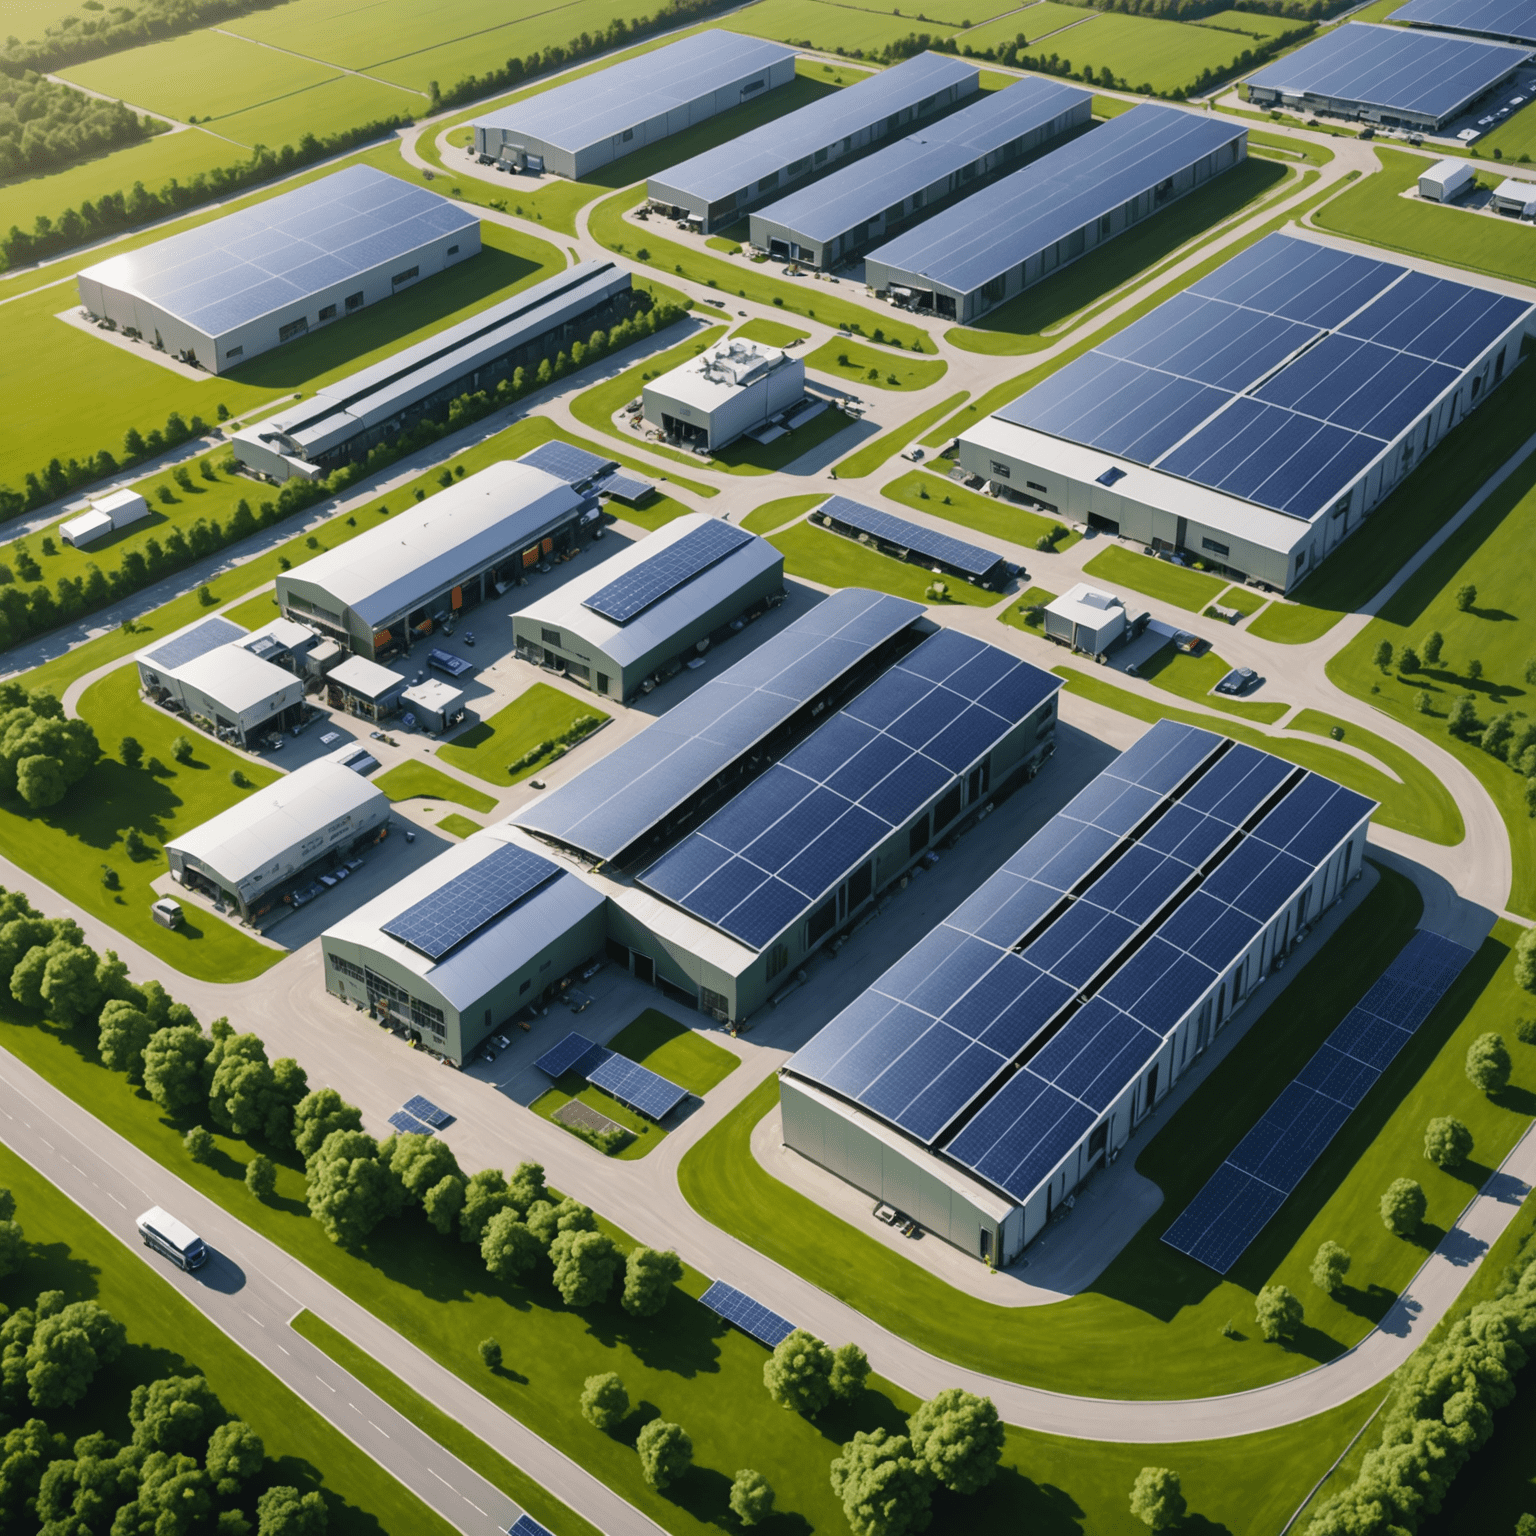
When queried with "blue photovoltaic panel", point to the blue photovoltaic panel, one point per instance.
{"points": [[565, 461], [636, 1086], [1424, 73], [436, 923], [446, 661], [1515, 19], [428, 1112], [969, 559], [409, 1125], [678, 563], [526, 1525], [624, 487], [1273, 1158], [1279, 378], [752, 1317], [194, 642], [568, 1054]]}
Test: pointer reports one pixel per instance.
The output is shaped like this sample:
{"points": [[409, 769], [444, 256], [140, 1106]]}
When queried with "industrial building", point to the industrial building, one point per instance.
{"points": [[834, 219], [728, 390], [1514, 199], [1256, 419], [1009, 1054], [455, 949], [577, 128], [1396, 76], [436, 706], [343, 420], [915, 543], [253, 855], [117, 509], [723, 184], [1092, 621], [1512, 21], [235, 287], [992, 245], [1446, 180], [640, 616], [422, 566]]}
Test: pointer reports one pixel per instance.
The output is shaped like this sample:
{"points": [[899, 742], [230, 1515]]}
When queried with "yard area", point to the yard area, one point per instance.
{"points": [[1015, 615], [1162, 579], [492, 749], [866, 460], [1193, 677], [774, 514], [940, 497], [863, 366], [833, 561], [413, 781]]}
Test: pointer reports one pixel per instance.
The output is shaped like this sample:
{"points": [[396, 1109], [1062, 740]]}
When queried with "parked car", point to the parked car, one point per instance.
{"points": [[914, 454], [1186, 642], [1238, 680]]}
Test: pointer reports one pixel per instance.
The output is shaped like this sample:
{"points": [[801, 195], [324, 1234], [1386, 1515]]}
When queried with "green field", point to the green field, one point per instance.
{"points": [[870, 369], [421, 781], [943, 498], [827, 25], [1193, 678], [866, 460], [489, 748], [1169, 583], [1014, 614], [1035, 22], [770, 333], [458, 826], [833, 561], [1251, 23], [774, 514]]}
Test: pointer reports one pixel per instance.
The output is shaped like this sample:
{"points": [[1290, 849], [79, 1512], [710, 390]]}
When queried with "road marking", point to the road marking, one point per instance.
{"points": [[78, 1169], [324, 1383], [111, 1196], [45, 1142], [286, 1352], [439, 1476], [475, 1507], [383, 1432], [255, 1319]]}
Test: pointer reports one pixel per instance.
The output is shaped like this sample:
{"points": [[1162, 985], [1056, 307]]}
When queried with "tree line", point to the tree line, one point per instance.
{"points": [[43, 125], [106, 30], [1192, 10]]}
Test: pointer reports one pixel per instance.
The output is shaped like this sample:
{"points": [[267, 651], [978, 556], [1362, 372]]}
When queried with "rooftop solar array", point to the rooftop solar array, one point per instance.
{"points": [[1237, 1203], [632, 92], [742, 162], [1279, 377], [752, 1317], [678, 563], [438, 922], [792, 835], [446, 661], [193, 642], [1493, 18], [565, 461], [971, 559], [993, 230], [1005, 1034], [1392, 68], [862, 191], [610, 805], [623, 487], [626, 1080], [235, 269], [569, 1054]]}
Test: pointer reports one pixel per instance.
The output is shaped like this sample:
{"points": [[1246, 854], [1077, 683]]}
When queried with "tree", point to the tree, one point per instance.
{"points": [[1475, 670], [174, 1496], [284, 1511], [1403, 1207], [604, 1402], [1462, 720], [751, 1497], [1330, 1266], [649, 1275], [261, 1176], [247, 1096], [1498, 734], [1488, 1063], [200, 1144], [1430, 647], [959, 1438], [130, 751], [585, 1266], [350, 1189], [318, 1114], [430, 1175], [484, 1195], [508, 1247], [1278, 1312], [666, 1452], [1408, 660], [176, 1413], [1447, 1142], [176, 1069], [884, 1489], [67, 1349], [182, 749], [123, 1033], [490, 1354], [1466, 597], [13, 1242], [40, 781], [235, 1456], [1384, 655], [526, 1186], [547, 1222], [68, 985], [1157, 1500], [1525, 960], [798, 1374], [850, 1370]]}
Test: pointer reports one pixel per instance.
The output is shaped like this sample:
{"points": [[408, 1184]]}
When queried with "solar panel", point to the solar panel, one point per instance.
{"points": [[646, 584], [428, 1112], [409, 1125], [196, 641], [1236, 1204], [624, 487], [567, 1055], [968, 559], [640, 1088], [565, 461], [1495, 18], [436, 923], [526, 1525], [752, 1317], [446, 661]]}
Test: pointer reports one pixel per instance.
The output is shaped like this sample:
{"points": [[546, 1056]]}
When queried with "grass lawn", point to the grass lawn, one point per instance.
{"points": [[687, 1056], [1494, 552], [255, 611], [833, 561], [943, 498], [458, 826], [644, 1135], [1416, 801], [1176, 584], [539, 714], [769, 332], [411, 781], [856, 364], [69, 1251], [1193, 677], [774, 514], [877, 450], [725, 247], [744, 457], [1014, 613], [1245, 600], [1293, 623]]}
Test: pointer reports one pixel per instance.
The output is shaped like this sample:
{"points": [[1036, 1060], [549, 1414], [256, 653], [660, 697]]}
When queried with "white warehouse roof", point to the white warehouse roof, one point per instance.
{"points": [[239, 680], [720, 373]]}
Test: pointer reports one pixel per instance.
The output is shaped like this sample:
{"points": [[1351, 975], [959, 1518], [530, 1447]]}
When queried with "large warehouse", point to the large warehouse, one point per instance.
{"points": [[341, 421], [830, 222], [1512, 21], [722, 184], [991, 246], [728, 390], [1257, 418], [258, 850], [1010, 1053], [226, 291], [581, 126], [1395, 76], [642, 614], [456, 948], [396, 582]]}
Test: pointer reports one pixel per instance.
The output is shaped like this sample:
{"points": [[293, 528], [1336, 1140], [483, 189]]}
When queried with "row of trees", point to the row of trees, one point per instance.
{"points": [[42, 755], [1191, 10], [44, 125], [100, 30]]}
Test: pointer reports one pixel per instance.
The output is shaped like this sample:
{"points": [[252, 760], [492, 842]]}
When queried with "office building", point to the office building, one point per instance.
{"points": [[731, 389]]}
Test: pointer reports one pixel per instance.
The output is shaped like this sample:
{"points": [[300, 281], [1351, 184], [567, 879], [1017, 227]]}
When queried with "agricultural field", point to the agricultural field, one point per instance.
{"points": [[1036, 22], [827, 25]]}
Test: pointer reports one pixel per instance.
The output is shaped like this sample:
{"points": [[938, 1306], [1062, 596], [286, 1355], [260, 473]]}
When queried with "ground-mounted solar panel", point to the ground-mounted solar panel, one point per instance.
{"points": [[438, 922], [565, 461], [1239, 1199], [569, 1054], [752, 1317], [526, 1525], [630, 489], [645, 584], [428, 1112], [195, 642], [969, 559], [642, 1090], [409, 1125]]}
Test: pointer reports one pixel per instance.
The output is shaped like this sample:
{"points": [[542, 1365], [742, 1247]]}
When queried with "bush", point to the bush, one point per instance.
{"points": [[1525, 1031], [751, 1497], [798, 1374], [182, 749], [1330, 1266], [261, 1176], [1278, 1312], [490, 1354], [1403, 1207], [1157, 1499], [604, 1402], [200, 1144], [665, 1451], [1488, 1063]]}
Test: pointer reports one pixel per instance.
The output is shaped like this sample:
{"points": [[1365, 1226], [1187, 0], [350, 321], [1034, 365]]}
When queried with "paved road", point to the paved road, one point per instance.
{"points": [[251, 1289]]}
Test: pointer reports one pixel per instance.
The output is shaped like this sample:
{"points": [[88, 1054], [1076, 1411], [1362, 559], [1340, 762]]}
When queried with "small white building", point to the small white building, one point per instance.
{"points": [[730, 389], [438, 707], [1088, 619], [1445, 181], [363, 687], [1516, 199], [116, 510]]}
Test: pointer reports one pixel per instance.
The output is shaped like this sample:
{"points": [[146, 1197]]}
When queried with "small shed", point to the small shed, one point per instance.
{"points": [[82, 530], [437, 706], [324, 658], [1445, 181], [363, 687], [1516, 199], [1086, 619]]}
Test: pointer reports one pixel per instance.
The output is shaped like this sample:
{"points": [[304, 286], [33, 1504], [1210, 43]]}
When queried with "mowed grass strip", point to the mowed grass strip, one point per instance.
{"points": [[1193, 678], [490, 749], [412, 781], [833, 561], [1162, 579], [774, 514], [863, 366], [688, 1057], [864, 461], [940, 497]]}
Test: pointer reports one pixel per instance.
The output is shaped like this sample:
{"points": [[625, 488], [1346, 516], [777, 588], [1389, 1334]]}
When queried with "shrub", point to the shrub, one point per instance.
{"points": [[1488, 1063], [604, 1402], [665, 1451], [1330, 1266], [1403, 1207], [200, 1144], [1278, 1312], [182, 749], [490, 1354], [1447, 1142]]}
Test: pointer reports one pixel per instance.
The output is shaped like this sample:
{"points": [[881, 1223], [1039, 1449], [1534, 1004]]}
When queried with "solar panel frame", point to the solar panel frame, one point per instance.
{"points": [[446, 917], [409, 1125], [567, 1054], [970, 559], [427, 1112], [646, 584], [565, 461], [526, 1525], [642, 1090], [752, 1317]]}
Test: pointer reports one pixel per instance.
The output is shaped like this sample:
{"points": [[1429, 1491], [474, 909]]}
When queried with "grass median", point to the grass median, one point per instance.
{"points": [[505, 749], [833, 561], [412, 781], [866, 460]]}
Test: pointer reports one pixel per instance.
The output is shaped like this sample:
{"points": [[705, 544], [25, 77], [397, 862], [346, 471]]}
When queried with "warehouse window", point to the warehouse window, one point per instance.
{"points": [[293, 328], [526, 984], [861, 885], [235, 352], [778, 959], [1035, 485], [404, 277], [550, 636], [453, 250], [713, 1002], [1106, 225], [821, 922], [347, 968], [629, 133], [917, 839], [796, 166], [1001, 471], [947, 808], [354, 301], [769, 182], [329, 312], [821, 157], [751, 86], [993, 290], [1215, 548]]}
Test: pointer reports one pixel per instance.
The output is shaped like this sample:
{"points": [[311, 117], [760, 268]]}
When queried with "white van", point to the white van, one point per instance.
{"points": [[177, 1241]]}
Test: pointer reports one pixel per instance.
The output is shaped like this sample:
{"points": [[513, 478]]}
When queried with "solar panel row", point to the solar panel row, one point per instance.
{"points": [[752, 1317], [428, 1112], [194, 642], [526, 1525], [565, 461], [409, 1125], [628, 1082], [970, 559], [1494, 18], [449, 915], [644, 585], [1236, 1204]]}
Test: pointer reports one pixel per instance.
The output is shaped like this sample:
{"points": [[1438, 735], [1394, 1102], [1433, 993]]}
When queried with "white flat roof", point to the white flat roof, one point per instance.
{"points": [[1443, 172], [433, 694], [721, 372], [1083, 604], [367, 679], [89, 525], [117, 501], [235, 678]]}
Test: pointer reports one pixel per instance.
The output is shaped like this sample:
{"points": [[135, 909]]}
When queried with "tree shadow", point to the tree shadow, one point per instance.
{"points": [[840, 1421], [627, 1430], [505, 1372], [1314, 1344], [1521, 1100], [1428, 1237], [1012, 1501], [1471, 1172], [703, 1493], [1494, 615], [1372, 1303], [681, 1339]]}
